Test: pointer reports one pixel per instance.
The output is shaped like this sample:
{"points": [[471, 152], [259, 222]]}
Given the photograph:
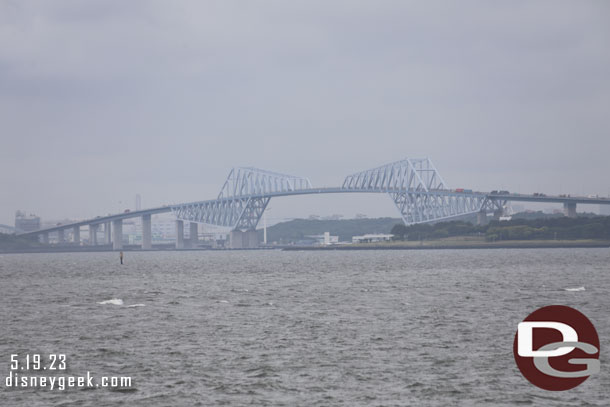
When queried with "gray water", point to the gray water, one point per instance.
{"points": [[297, 328]]}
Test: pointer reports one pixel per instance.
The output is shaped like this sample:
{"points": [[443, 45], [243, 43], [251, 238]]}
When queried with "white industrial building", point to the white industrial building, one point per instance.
{"points": [[372, 238], [325, 239]]}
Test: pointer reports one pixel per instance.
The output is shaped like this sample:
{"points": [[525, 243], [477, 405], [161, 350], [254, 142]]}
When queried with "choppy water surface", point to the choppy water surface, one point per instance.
{"points": [[297, 328]]}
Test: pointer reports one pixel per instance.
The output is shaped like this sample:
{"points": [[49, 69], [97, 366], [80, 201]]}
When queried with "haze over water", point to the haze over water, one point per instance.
{"points": [[297, 328]]}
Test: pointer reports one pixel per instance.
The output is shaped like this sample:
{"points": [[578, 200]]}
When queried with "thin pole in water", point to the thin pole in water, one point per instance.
{"points": [[265, 227]]}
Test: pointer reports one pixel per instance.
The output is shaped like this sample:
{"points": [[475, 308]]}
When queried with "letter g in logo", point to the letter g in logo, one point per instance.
{"points": [[553, 344]]}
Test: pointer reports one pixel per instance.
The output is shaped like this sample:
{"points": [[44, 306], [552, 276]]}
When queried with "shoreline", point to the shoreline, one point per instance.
{"points": [[460, 245], [426, 245]]}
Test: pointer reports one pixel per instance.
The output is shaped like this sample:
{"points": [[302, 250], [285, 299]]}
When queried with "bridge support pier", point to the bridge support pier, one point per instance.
{"points": [[498, 214], [107, 234], [146, 232], [60, 236], [243, 240], [252, 239], [482, 218], [93, 235], [569, 209], [45, 237], [194, 235], [76, 235], [117, 238], [179, 234], [236, 240]]}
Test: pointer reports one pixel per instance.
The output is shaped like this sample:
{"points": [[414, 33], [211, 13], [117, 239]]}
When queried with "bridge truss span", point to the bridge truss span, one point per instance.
{"points": [[236, 213], [418, 191], [418, 174], [414, 185], [243, 198], [248, 181], [420, 207]]}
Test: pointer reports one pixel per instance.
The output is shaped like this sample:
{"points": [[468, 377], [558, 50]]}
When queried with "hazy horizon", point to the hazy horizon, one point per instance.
{"points": [[101, 100]]}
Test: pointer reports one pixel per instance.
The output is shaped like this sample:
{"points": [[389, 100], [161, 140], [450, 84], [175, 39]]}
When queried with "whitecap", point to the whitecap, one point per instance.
{"points": [[575, 289], [113, 301], [135, 305]]}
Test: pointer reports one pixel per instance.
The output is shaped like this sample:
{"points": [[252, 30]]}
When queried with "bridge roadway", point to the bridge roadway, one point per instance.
{"points": [[116, 219]]}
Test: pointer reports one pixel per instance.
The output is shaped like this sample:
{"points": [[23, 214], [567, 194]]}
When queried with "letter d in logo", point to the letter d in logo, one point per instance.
{"points": [[525, 335]]}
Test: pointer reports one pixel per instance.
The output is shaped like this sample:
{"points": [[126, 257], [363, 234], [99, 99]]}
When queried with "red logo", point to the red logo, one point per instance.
{"points": [[556, 348]]}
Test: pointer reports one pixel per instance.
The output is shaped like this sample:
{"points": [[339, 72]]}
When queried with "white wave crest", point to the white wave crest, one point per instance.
{"points": [[113, 301], [575, 289], [135, 305]]}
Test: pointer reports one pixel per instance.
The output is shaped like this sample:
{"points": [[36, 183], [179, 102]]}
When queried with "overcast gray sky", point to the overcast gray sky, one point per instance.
{"points": [[100, 100]]}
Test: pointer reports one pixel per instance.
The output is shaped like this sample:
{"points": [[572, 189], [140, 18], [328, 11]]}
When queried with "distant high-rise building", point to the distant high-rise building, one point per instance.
{"points": [[26, 223], [138, 202], [604, 210]]}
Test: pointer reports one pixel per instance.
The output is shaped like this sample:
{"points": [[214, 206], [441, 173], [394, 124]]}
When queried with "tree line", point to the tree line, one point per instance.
{"points": [[563, 228]]}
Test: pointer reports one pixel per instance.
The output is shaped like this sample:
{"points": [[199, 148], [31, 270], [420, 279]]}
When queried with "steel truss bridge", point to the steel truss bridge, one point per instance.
{"points": [[414, 184]]}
